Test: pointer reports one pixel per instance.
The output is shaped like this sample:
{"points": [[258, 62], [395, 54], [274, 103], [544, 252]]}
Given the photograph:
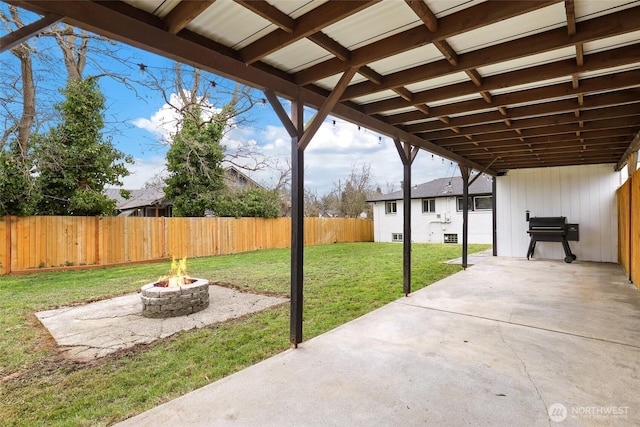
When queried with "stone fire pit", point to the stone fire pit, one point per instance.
{"points": [[161, 302]]}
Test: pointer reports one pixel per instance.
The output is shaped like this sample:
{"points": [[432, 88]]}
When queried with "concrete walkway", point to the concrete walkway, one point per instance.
{"points": [[508, 342]]}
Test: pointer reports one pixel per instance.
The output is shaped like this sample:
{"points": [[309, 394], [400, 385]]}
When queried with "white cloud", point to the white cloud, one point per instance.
{"points": [[334, 150], [164, 122], [142, 171]]}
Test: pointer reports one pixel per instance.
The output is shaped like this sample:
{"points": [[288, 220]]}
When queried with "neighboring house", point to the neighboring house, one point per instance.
{"points": [[436, 212], [145, 202], [150, 202], [329, 213], [236, 180]]}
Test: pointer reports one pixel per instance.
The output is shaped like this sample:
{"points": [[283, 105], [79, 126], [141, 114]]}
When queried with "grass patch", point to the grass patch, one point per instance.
{"points": [[38, 387]]}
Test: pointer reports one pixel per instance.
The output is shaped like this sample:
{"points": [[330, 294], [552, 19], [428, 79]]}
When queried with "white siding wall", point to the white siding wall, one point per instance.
{"points": [[427, 227], [584, 194]]}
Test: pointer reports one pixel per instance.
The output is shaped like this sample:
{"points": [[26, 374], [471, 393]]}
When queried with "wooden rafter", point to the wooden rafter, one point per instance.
{"points": [[594, 29], [596, 84], [270, 13], [322, 16], [449, 26], [22, 34], [183, 13], [543, 121], [598, 61]]}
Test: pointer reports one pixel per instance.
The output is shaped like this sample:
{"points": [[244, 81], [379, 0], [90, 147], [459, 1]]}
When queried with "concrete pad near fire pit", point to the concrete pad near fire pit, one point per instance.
{"points": [[96, 329]]}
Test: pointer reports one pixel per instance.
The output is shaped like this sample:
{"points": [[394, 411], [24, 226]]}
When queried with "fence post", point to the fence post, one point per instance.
{"points": [[97, 237], [7, 254]]}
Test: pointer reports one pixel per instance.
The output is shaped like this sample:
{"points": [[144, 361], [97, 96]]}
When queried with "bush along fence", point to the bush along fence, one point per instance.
{"points": [[51, 242], [628, 196]]}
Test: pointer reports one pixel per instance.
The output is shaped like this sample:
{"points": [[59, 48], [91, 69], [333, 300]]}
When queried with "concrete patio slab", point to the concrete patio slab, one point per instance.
{"points": [[474, 258], [506, 342], [94, 330]]}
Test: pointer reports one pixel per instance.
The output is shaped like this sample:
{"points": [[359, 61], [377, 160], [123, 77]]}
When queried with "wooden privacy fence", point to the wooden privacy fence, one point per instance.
{"points": [[628, 197], [45, 242]]}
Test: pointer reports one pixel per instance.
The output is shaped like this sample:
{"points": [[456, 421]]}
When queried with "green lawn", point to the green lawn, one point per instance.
{"points": [[38, 387]]}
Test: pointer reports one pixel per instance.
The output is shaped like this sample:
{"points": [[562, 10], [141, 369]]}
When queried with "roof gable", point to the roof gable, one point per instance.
{"points": [[441, 187]]}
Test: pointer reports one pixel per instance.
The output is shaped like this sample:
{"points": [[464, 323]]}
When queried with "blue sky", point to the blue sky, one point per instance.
{"points": [[132, 119]]}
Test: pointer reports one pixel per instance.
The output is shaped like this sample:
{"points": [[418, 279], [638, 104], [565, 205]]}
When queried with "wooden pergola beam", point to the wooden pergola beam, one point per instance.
{"points": [[595, 84], [270, 13], [308, 24], [591, 30], [20, 35], [326, 107], [185, 12], [448, 26], [632, 148], [571, 128], [542, 121], [594, 62]]}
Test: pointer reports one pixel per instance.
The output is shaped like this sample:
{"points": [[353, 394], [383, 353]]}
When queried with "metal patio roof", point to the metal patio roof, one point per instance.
{"points": [[494, 85]]}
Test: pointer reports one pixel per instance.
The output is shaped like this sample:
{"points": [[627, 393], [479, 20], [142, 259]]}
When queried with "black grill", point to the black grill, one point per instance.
{"points": [[553, 229]]}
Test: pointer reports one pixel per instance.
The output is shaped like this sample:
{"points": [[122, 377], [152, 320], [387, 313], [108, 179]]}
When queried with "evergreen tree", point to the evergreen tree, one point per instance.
{"points": [[253, 202], [74, 160], [194, 163], [16, 184]]}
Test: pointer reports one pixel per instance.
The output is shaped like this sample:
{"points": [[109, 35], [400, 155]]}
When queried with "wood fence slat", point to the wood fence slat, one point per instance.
{"points": [[5, 246], [47, 242], [634, 229]]}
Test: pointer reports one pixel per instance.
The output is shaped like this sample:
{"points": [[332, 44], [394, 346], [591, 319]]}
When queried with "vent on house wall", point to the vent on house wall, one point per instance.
{"points": [[451, 238]]}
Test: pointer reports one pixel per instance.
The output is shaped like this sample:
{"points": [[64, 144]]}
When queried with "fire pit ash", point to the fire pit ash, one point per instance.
{"points": [[176, 295]]}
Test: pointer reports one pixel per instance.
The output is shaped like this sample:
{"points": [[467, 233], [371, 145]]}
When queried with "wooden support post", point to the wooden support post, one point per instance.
{"points": [[301, 136], [297, 224], [406, 236], [494, 215], [466, 172], [407, 155], [631, 228]]}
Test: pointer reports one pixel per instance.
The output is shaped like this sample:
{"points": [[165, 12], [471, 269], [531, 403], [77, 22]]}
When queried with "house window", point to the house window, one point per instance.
{"points": [[451, 238], [428, 205], [396, 237], [477, 203], [482, 203], [460, 206], [390, 207]]}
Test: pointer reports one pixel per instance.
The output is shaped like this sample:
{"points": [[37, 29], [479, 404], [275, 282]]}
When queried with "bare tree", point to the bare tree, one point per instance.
{"points": [[197, 96], [354, 191], [282, 185], [23, 124], [25, 108]]}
